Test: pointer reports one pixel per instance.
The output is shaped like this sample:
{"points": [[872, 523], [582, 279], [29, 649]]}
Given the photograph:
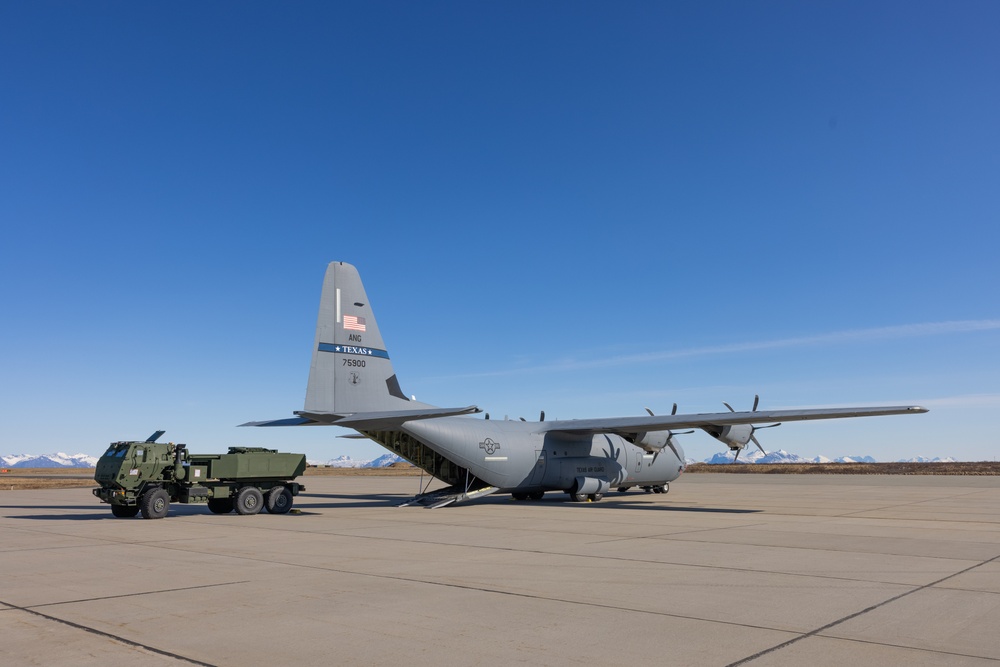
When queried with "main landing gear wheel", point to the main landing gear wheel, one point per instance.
{"points": [[536, 495], [579, 497], [155, 504], [594, 497], [518, 495], [623, 489], [279, 500], [124, 511], [249, 500]]}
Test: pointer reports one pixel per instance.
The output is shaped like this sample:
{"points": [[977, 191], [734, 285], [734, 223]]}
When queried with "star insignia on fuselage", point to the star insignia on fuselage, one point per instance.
{"points": [[489, 445]]}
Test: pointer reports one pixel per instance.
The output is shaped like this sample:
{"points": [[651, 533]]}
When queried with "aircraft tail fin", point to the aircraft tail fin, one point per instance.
{"points": [[350, 371]]}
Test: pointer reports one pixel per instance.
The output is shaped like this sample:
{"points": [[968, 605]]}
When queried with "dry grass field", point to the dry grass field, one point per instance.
{"points": [[61, 478]]}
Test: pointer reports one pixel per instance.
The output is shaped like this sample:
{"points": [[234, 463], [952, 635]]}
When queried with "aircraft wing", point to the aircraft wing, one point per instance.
{"points": [[630, 425], [365, 420]]}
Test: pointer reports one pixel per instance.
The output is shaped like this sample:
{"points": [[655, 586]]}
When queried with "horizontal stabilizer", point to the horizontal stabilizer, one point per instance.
{"points": [[627, 425], [367, 421], [291, 421]]}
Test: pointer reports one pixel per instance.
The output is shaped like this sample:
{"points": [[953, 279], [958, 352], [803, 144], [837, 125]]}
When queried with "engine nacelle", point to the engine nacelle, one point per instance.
{"points": [[652, 442], [735, 436], [656, 441]]}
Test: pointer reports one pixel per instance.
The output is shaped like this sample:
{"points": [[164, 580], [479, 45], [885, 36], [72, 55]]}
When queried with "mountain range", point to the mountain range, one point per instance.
{"points": [[781, 456], [58, 460], [383, 461]]}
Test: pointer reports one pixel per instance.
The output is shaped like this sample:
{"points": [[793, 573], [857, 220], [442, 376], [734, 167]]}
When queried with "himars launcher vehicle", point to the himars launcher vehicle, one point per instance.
{"points": [[352, 384], [147, 476]]}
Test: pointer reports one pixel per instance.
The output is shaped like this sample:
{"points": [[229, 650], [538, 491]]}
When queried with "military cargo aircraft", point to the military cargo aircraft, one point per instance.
{"points": [[352, 384]]}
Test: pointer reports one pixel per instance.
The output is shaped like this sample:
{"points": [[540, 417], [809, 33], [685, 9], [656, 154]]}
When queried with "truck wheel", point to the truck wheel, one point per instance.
{"points": [[279, 500], [220, 505], [124, 511], [155, 504], [249, 500]]}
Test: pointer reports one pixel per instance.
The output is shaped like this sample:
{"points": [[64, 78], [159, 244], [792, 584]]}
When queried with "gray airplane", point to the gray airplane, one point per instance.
{"points": [[352, 384]]}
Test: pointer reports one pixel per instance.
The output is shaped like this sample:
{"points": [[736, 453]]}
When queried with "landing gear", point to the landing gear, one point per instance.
{"points": [[536, 495], [584, 497], [656, 489], [519, 495]]}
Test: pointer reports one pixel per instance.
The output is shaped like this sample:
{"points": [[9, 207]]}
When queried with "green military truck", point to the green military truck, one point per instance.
{"points": [[147, 476]]}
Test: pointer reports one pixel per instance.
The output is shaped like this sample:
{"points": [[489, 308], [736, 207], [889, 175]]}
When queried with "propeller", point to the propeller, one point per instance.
{"points": [[670, 434], [753, 428]]}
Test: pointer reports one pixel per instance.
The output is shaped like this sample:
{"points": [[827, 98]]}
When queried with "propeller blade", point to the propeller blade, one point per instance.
{"points": [[670, 444], [754, 438], [728, 406], [756, 400], [650, 412], [736, 457], [674, 411], [757, 428]]}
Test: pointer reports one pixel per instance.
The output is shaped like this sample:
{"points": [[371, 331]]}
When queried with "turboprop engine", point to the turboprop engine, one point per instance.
{"points": [[736, 436], [655, 441], [652, 442]]}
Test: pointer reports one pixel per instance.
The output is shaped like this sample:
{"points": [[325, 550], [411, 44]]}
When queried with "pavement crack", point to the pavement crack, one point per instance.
{"points": [[134, 595], [109, 635], [817, 631]]}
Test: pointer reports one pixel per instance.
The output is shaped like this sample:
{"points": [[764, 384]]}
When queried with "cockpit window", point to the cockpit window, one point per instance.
{"points": [[121, 452]]}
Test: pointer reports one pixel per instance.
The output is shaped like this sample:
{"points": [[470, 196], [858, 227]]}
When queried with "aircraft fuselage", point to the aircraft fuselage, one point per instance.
{"points": [[516, 456]]}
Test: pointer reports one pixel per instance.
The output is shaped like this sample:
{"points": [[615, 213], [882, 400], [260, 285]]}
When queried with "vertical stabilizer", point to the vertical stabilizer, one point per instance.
{"points": [[350, 370]]}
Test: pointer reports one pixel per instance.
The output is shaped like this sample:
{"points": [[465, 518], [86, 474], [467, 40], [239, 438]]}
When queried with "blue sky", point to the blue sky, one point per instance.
{"points": [[580, 207]]}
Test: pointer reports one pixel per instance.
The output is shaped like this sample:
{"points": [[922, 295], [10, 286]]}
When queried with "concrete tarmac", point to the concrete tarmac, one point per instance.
{"points": [[723, 570]]}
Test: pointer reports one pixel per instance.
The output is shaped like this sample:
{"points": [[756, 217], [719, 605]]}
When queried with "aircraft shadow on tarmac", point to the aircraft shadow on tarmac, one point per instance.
{"points": [[382, 500]]}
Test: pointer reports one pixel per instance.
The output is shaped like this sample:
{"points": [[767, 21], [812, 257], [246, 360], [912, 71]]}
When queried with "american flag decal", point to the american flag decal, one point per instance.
{"points": [[354, 323]]}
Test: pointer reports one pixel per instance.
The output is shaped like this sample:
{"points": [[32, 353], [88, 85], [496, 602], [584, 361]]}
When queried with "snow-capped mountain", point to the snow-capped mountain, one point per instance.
{"points": [[57, 460], [347, 462], [924, 459], [779, 456], [854, 459]]}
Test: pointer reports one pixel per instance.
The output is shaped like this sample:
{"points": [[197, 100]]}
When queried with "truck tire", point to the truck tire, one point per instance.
{"points": [[124, 511], [220, 505], [155, 504], [249, 501], [279, 500]]}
